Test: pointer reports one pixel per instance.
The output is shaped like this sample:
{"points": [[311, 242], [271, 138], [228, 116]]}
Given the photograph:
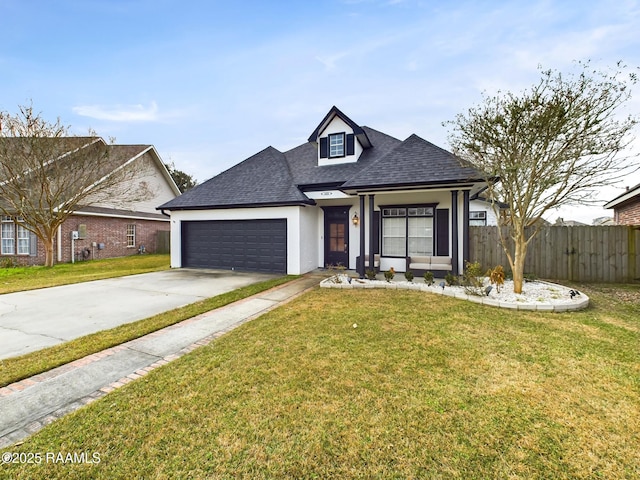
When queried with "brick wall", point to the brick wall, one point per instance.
{"points": [[112, 232], [628, 214]]}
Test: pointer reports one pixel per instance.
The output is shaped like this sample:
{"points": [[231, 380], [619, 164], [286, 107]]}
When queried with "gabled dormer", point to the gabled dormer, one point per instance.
{"points": [[339, 139]]}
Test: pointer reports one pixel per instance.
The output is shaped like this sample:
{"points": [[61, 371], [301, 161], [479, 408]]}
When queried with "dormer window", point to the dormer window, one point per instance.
{"points": [[336, 145]]}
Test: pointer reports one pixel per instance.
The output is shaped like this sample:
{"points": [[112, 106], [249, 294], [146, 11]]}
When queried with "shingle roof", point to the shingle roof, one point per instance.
{"points": [[275, 178], [263, 179], [66, 153], [117, 212], [414, 162], [303, 161]]}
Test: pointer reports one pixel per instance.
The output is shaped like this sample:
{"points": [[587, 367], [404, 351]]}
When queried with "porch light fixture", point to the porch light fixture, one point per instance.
{"points": [[355, 219]]}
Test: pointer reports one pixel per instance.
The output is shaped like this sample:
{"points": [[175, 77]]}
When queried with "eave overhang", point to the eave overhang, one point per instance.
{"points": [[236, 206], [629, 195], [436, 185], [335, 112]]}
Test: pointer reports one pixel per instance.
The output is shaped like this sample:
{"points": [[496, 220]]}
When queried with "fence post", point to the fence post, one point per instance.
{"points": [[631, 249]]}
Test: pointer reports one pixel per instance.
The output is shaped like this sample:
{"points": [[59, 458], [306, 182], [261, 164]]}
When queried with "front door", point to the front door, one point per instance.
{"points": [[336, 236]]}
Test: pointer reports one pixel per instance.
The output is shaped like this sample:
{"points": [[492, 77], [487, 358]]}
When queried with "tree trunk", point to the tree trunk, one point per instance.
{"points": [[518, 263], [49, 253]]}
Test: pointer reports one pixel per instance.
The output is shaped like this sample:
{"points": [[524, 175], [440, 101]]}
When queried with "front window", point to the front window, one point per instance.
{"points": [[336, 145], [8, 235], [131, 235], [23, 238], [407, 231]]}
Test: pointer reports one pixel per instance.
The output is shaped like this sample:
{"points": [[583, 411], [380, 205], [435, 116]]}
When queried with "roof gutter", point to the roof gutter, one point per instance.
{"points": [[235, 206]]}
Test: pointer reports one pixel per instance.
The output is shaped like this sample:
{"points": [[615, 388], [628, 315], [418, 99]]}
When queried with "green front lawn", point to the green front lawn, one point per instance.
{"points": [[377, 384], [16, 279]]}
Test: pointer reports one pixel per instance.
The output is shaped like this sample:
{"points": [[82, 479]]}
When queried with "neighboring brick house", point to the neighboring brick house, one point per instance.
{"points": [[626, 207], [105, 230]]}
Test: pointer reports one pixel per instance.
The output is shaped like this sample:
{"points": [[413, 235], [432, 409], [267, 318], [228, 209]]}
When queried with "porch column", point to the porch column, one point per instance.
{"points": [[371, 233], [360, 266], [454, 232], [465, 226]]}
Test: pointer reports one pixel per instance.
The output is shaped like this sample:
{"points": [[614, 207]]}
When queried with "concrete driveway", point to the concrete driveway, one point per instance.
{"points": [[37, 319]]}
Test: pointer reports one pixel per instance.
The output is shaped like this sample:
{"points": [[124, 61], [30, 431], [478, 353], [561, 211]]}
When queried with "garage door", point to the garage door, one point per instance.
{"points": [[246, 245]]}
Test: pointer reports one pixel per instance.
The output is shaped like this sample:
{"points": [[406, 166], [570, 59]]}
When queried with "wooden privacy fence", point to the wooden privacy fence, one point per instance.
{"points": [[584, 254], [163, 242]]}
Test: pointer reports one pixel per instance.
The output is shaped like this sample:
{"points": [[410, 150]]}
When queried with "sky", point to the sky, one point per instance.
{"points": [[210, 83]]}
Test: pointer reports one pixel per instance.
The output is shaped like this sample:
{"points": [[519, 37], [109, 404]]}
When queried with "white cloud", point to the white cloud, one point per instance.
{"points": [[120, 113]]}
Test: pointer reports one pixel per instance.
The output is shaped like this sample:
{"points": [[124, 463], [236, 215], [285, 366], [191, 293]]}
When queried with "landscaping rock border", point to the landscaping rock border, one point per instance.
{"points": [[579, 302]]}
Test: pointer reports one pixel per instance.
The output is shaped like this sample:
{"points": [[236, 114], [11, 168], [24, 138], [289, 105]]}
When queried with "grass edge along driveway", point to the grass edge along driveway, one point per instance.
{"points": [[19, 279], [382, 384], [18, 368]]}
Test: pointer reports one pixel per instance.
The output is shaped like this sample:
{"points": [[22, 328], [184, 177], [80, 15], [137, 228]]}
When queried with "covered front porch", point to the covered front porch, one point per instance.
{"points": [[426, 229]]}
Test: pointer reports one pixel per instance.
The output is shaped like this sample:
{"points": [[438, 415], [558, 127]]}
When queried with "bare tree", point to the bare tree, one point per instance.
{"points": [[552, 145], [46, 173]]}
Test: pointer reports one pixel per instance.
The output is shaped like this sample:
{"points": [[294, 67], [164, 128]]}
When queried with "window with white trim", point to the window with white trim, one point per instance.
{"points": [[131, 235], [478, 219], [336, 145], [407, 231], [23, 236], [8, 236]]}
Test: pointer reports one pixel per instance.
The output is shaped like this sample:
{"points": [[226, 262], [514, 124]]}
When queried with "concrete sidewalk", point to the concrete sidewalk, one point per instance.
{"points": [[32, 403]]}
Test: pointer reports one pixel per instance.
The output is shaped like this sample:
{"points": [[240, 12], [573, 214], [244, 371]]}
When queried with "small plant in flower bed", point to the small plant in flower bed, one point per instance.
{"points": [[340, 275], [370, 274], [389, 274], [472, 278], [496, 276], [451, 279], [428, 278], [408, 275]]}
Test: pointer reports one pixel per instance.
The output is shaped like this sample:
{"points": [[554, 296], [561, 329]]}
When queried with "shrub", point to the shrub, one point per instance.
{"points": [[408, 275], [389, 274], [451, 279], [428, 278], [8, 263], [472, 278], [370, 273]]}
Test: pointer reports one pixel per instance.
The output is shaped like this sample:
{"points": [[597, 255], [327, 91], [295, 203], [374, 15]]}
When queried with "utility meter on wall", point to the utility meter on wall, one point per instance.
{"points": [[75, 235]]}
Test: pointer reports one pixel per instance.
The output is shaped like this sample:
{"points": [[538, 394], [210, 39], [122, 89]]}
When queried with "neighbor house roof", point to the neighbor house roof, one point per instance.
{"points": [[272, 178], [117, 212], [64, 154], [630, 194]]}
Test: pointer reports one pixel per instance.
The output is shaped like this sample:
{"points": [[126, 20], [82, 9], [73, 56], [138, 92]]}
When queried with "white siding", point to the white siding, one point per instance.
{"points": [[337, 125], [309, 234], [149, 177], [299, 259], [480, 206]]}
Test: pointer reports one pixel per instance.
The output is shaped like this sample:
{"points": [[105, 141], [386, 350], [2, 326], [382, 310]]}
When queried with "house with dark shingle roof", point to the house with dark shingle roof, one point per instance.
{"points": [[347, 193], [107, 227]]}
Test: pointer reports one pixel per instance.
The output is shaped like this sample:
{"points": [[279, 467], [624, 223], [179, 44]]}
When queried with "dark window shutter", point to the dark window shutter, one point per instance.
{"points": [[351, 150], [33, 244], [442, 232], [324, 147]]}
